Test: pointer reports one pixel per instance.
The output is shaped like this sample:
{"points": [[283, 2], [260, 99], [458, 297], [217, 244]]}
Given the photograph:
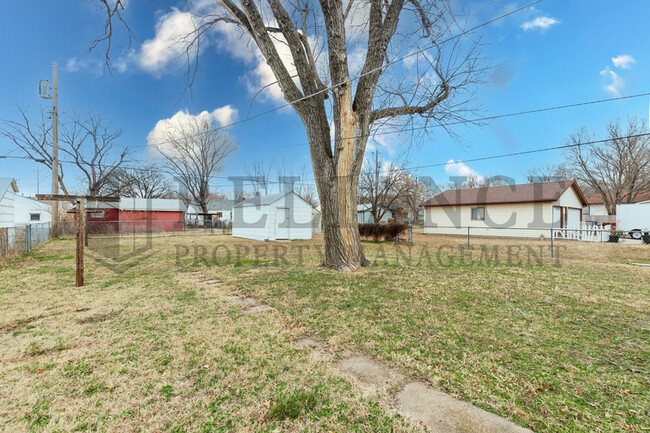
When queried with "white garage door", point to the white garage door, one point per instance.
{"points": [[282, 223]]}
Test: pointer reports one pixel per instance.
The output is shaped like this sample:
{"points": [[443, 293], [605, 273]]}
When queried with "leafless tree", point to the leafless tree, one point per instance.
{"points": [[618, 169], [195, 151], [258, 174], [416, 190], [547, 173], [140, 182], [34, 139], [336, 74], [300, 184], [380, 186], [90, 143]]}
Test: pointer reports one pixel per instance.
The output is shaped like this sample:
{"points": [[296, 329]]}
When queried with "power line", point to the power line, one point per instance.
{"points": [[470, 121], [441, 164], [372, 71]]}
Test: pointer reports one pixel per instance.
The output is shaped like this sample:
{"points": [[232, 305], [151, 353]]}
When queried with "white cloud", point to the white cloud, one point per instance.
{"points": [[624, 61], [181, 123], [540, 23], [225, 115], [460, 169], [74, 65], [168, 46], [616, 82]]}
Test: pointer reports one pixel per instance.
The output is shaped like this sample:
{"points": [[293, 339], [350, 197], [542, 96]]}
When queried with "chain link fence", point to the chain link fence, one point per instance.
{"points": [[21, 239]]}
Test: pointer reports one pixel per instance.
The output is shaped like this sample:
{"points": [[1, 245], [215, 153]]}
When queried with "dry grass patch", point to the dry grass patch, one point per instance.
{"points": [[153, 349]]}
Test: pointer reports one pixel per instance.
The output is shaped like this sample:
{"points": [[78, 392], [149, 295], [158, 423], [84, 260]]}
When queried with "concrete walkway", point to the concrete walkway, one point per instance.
{"points": [[417, 402]]}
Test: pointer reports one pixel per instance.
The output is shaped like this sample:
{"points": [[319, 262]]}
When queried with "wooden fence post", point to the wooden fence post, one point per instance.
{"points": [[81, 229]]}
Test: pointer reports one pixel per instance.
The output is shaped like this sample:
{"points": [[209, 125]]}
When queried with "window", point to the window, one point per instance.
{"points": [[478, 213], [34, 216]]}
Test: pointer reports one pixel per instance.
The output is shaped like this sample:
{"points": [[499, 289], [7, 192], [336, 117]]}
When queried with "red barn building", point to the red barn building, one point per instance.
{"points": [[135, 215]]}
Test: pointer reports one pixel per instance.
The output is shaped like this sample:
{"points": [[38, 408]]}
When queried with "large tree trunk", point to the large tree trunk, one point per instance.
{"points": [[337, 180], [338, 197]]}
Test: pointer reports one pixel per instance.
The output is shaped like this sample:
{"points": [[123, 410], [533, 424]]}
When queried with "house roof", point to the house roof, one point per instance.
{"points": [[219, 205], [5, 184], [598, 198], [524, 193], [142, 204], [262, 200]]}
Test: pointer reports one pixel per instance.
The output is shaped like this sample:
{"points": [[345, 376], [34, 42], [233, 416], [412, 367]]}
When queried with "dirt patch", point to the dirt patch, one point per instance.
{"points": [[19, 323], [369, 372], [101, 317], [443, 413]]}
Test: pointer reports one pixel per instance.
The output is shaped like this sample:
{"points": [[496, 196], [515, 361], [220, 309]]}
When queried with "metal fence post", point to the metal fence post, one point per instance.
{"points": [[552, 242], [28, 237], [468, 238], [411, 234]]}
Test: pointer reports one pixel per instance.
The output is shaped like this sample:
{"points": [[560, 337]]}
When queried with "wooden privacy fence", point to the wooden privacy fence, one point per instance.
{"points": [[586, 234]]}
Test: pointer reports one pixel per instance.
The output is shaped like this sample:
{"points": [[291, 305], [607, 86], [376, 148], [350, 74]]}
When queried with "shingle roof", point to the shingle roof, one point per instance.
{"points": [[598, 198], [219, 205], [141, 204], [5, 184], [524, 193], [263, 200]]}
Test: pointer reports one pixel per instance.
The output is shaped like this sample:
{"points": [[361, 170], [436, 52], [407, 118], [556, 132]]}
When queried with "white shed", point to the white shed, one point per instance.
{"points": [[30, 211], [272, 217], [8, 190]]}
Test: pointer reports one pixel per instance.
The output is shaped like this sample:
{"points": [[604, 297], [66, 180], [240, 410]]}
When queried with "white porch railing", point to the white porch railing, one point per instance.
{"points": [[587, 234]]}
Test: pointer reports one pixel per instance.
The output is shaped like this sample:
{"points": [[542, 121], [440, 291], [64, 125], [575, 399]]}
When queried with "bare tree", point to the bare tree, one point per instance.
{"points": [[302, 186], [416, 191], [380, 186], [547, 173], [140, 182], [618, 169], [90, 144], [258, 174], [433, 88], [196, 152]]}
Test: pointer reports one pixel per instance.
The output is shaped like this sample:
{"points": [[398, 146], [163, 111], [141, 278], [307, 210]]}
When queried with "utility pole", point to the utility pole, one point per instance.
{"points": [[55, 152]]}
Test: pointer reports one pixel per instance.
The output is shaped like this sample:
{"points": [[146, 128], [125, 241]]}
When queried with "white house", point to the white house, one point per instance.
{"points": [[30, 211], [272, 217], [364, 214], [8, 190], [527, 210]]}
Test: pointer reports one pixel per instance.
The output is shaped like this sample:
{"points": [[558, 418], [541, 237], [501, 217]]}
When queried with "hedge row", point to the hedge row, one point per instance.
{"points": [[381, 231]]}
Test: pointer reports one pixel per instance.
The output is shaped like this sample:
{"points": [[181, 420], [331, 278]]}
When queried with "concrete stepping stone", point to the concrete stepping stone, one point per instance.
{"points": [[211, 282], [369, 372], [247, 302], [258, 309], [442, 413], [306, 343]]}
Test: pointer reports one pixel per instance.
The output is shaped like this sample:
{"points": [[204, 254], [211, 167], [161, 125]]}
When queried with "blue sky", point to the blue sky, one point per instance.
{"points": [[557, 53]]}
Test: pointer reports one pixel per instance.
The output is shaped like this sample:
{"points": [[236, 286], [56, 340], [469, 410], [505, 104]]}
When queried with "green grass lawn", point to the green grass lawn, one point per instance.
{"points": [[552, 345]]}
